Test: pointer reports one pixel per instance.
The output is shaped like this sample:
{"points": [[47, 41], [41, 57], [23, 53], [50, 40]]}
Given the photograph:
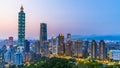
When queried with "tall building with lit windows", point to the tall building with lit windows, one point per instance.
{"points": [[102, 50], [85, 49], [78, 48], [93, 49], [21, 27], [68, 48], [61, 46]]}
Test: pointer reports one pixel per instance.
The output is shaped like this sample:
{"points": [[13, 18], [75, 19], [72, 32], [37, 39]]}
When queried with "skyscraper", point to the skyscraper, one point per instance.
{"points": [[61, 46], [93, 49], [21, 27], [43, 32], [43, 38], [54, 45], [78, 48], [68, 48], [68, 36], [85, 49], [37, 46], [18, 58], [26, 53], [10, 39], [27, 46], [102, 50], [21, 37]]}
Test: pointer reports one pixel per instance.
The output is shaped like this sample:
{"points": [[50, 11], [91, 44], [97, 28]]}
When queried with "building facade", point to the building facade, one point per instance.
{"points": [[85, 49], [93, 49], [18, 58], [61, 46], [78, 48], [114, 55], [68, 48], [54, 45], [102, 50], [27, 46], [37, 46], [43, 38], [68, 36]]}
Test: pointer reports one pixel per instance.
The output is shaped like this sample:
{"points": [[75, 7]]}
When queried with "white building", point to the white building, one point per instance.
{"points": [[114, 54]]}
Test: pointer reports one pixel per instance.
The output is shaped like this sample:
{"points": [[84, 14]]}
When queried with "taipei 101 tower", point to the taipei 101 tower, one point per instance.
{"points": [[21, 27], [21, 37]]}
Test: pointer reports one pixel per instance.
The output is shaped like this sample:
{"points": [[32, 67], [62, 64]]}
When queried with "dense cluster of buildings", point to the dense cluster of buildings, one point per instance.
{"points": [[28, 51]]}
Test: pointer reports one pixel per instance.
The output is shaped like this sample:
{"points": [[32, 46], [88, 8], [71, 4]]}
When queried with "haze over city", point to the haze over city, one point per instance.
{"points": [[78, 17]]}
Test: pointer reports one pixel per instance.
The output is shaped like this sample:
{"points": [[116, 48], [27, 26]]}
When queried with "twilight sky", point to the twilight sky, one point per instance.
{"points": [[78, 17]]}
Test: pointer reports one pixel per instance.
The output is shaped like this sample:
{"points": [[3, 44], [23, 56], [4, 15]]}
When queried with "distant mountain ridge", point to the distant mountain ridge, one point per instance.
{"points": [[95, 37]]}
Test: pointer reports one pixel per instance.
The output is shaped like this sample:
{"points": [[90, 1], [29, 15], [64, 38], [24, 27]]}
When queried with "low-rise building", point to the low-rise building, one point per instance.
{"points": [[114, 55]]}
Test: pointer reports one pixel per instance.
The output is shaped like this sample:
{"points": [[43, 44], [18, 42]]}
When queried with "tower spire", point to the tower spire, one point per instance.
{"points": [[21, 9]]}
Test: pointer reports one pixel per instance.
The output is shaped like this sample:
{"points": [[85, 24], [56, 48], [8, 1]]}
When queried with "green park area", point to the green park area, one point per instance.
{"points": [[56, 62]]}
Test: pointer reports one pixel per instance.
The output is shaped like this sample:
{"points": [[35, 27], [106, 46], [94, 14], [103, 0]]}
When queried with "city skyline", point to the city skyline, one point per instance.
{"points": [[75, 17]]}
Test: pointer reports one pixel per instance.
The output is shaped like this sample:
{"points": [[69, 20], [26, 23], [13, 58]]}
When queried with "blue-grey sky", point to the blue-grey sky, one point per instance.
{"points": [[78, 17]]}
